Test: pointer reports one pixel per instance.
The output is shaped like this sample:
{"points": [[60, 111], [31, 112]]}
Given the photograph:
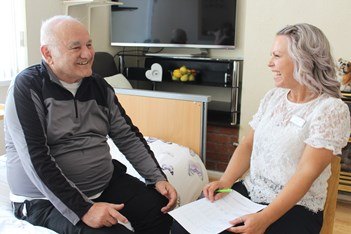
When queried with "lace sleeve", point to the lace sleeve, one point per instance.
{"points": [[262, 108], [330, 128]]}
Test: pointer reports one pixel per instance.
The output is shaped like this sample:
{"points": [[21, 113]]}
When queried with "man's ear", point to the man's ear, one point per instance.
{"points": [[46, 53]]}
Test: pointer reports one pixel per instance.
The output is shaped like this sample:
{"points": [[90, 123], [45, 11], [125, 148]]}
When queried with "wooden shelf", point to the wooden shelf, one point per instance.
{"points": [[345, 181], [89, 4], [346, 94]]}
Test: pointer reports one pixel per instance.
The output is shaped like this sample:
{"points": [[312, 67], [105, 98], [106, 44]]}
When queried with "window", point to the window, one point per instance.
{"points": [[13, 40]]}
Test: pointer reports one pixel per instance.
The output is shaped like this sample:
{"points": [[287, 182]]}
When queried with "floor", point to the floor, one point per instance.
{"points": [[342, 223]]}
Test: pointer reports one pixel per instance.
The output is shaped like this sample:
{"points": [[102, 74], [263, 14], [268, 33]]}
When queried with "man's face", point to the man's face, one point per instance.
{"points": [[72, 54]]}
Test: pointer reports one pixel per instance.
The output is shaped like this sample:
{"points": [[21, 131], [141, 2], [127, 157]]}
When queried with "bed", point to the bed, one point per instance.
{"points": [[177, 137]]}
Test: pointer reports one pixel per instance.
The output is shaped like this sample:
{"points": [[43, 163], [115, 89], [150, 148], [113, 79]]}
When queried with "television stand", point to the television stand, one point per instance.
{"points": [[170, 55], [219, 77], [203, 54]]}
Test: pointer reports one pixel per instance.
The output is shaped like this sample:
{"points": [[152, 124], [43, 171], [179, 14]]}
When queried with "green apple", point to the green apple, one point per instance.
{"points": [[191, 77], [175, 78]]}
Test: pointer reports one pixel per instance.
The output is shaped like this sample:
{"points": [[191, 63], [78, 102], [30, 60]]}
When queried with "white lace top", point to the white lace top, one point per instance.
{"points": [[282, 130]]}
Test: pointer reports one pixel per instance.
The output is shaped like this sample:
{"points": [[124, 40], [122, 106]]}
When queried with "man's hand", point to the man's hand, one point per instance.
{"points": [[167, 190], [103, 214]]}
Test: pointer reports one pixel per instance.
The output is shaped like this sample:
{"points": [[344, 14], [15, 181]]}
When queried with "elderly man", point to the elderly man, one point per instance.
{"points": [[60, 171]]}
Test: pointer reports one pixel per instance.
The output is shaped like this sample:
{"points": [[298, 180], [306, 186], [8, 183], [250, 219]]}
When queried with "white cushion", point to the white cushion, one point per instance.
{"points": [[118, 81], [183, 168]]}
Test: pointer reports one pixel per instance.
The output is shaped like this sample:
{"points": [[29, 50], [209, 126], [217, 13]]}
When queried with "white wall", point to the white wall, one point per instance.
{"points": [[36, 12]]}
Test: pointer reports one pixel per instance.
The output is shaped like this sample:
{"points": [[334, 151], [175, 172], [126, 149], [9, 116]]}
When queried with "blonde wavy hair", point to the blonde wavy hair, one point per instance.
{"points": [[314, 65]]}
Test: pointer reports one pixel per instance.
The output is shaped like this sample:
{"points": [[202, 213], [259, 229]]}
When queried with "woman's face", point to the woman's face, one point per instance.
{"points": [[281, 64]]}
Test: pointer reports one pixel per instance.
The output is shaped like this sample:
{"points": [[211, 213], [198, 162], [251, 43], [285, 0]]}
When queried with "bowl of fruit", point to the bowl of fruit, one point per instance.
{"points": [[184, 74]]}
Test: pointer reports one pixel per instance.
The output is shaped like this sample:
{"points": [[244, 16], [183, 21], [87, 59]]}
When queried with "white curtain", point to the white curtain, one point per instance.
{"points": [[13, 57]]}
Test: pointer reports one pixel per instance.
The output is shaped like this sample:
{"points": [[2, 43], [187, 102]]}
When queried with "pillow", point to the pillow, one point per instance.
{"points": [[182, 166], [118, 81]]}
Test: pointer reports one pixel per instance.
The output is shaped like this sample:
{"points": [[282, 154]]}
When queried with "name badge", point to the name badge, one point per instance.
{"points": [[298, 121]]}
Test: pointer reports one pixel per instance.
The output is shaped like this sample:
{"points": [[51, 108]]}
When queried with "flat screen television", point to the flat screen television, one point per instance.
{"points": [[204, 24]]}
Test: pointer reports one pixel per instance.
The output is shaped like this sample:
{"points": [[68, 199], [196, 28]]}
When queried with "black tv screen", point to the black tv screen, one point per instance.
{"points": [[174, 23]]}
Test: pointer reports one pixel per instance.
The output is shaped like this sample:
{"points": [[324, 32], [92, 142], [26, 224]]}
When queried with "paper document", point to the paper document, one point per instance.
{"points": [[204, 217]]}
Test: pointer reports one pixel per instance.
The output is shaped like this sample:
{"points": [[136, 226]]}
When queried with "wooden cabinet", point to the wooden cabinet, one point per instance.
{"points": [[158, 114]]}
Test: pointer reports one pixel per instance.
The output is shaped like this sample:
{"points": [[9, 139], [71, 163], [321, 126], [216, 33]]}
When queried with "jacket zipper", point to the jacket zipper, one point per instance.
{"points": [[75, 107], [74, 99]]}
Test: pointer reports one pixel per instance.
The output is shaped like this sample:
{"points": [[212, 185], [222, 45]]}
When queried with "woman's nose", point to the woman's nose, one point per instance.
{"points": [[270, 63]]}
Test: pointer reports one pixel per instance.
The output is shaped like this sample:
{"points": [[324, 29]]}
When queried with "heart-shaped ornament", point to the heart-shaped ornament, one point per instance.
{"points": [[155, 73]]}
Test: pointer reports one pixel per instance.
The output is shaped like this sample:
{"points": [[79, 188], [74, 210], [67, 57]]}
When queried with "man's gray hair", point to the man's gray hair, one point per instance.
{"points": [[314, 65], [47, 35]]}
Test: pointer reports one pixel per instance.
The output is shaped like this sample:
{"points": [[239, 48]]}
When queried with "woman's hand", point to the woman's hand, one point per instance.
{"points": [[209, 190], [250, 224]]}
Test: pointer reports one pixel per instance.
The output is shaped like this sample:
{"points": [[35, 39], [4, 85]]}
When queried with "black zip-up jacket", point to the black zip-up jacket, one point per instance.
{"points": [[56, 143]]}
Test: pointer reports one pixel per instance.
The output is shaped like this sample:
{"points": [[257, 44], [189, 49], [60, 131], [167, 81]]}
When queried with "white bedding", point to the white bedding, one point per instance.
{"points": [[8, 222], [184, 170]]}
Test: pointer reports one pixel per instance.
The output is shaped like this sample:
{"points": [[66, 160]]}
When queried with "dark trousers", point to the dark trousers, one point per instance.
{"points": [[142, 207], [298, 220]]}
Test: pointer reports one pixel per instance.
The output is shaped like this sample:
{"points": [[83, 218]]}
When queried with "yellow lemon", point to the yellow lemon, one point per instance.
{"points": [[183, 70], [191, 77], [184, 78], [177, 73]]}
